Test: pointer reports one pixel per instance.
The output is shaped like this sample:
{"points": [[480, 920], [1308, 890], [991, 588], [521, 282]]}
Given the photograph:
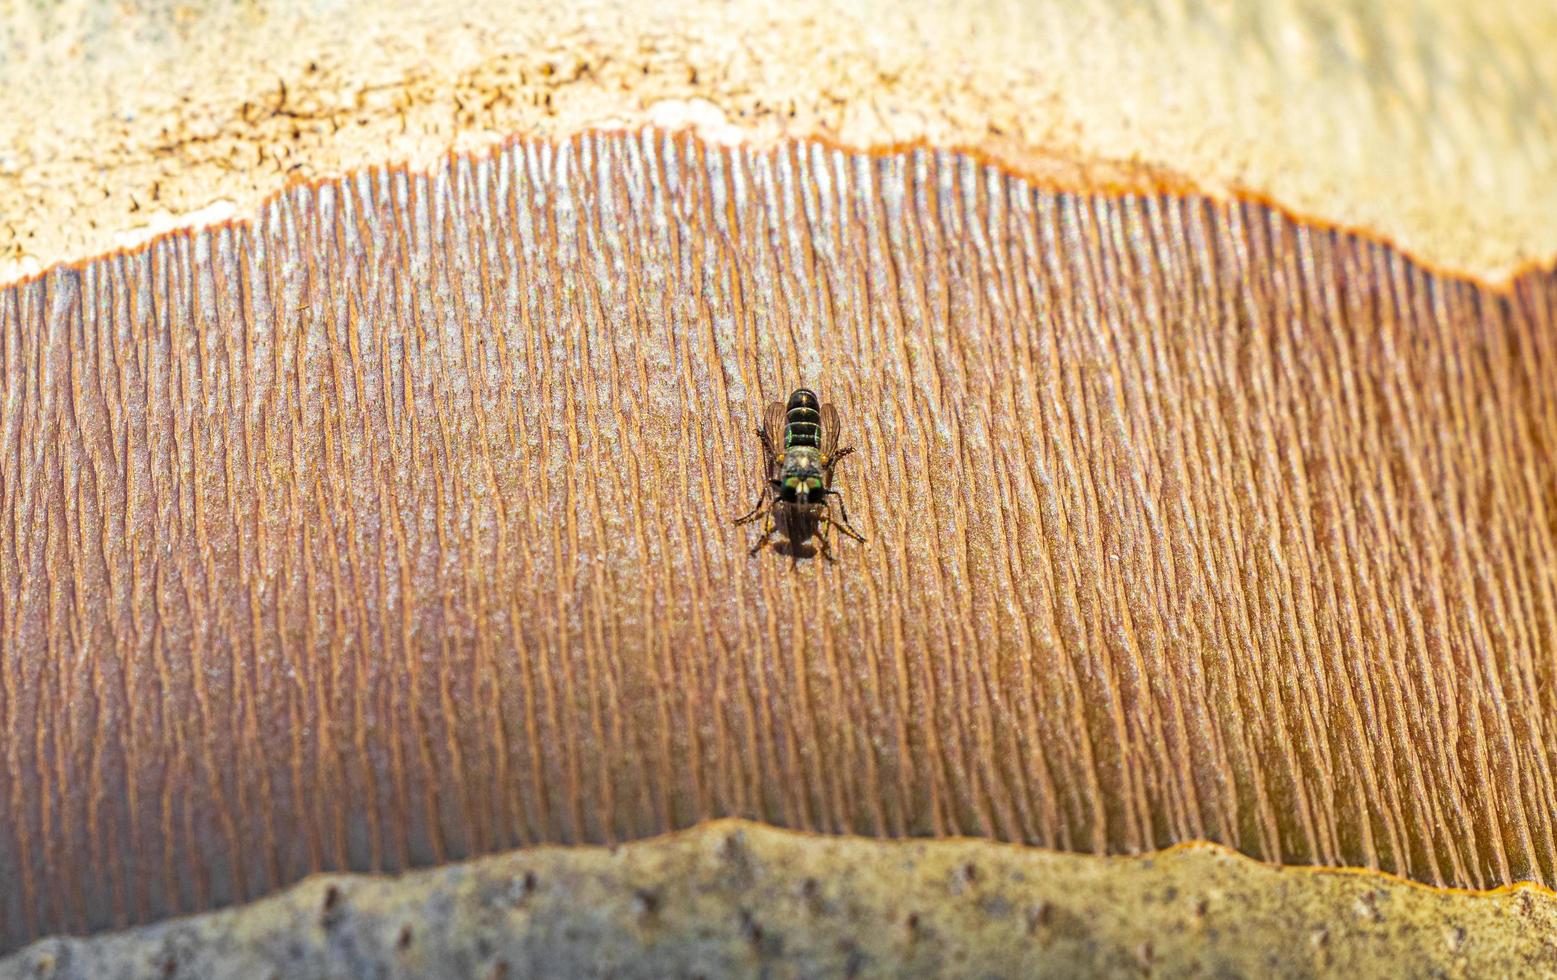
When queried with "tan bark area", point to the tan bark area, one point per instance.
{"points": [[395, 527]]}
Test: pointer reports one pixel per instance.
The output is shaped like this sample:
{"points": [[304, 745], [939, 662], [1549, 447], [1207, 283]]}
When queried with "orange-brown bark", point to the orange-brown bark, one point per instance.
{"points": [[395, 527]]}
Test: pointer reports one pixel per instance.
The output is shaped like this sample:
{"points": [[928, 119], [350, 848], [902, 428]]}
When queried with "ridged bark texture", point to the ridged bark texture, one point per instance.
{"points": [[395, 527]]}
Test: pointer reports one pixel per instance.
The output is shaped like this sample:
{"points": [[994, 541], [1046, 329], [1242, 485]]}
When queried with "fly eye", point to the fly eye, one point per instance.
{"points": [[815, 483]]}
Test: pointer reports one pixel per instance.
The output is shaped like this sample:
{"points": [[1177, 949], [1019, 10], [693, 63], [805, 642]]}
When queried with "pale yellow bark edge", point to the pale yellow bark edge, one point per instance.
{"points": [[1431, 125]]}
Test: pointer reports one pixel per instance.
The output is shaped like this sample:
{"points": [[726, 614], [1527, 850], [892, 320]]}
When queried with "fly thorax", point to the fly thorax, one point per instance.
{"points": [[801, 475]]}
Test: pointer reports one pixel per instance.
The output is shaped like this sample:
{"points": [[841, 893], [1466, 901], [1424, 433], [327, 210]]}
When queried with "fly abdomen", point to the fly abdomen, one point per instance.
{"points": [[803, 420]]}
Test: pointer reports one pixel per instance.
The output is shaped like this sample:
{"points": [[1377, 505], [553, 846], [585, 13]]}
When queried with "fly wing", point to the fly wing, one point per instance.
{"points": [[773, 425], [829, 430]]}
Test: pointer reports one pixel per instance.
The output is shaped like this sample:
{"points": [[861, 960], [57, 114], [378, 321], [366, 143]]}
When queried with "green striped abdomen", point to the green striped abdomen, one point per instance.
{"points": [[803, 420]]}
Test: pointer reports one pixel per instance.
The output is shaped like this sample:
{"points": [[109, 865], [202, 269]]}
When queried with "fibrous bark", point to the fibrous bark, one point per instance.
{"points": [[394, 527]]}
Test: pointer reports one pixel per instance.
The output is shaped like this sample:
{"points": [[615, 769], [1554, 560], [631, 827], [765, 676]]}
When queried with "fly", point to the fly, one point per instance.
{"points": [[797, 487]]}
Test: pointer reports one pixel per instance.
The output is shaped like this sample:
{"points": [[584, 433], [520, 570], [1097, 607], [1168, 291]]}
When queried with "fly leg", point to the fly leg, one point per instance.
{"points": [[824, 538], [767, 532], [767, 490], [832, 461], [756, 511], [845, 526]]}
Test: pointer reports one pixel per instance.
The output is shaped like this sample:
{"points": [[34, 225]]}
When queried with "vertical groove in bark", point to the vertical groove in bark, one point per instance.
{"points": [[394, 527]]}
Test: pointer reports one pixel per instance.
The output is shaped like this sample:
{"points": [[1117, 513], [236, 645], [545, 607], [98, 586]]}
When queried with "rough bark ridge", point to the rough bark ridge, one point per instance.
{"points": [[734, 899], [395, 527]]}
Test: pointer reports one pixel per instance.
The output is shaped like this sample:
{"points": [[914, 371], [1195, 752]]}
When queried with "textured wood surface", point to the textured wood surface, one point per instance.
{"points": [[395, 527]]}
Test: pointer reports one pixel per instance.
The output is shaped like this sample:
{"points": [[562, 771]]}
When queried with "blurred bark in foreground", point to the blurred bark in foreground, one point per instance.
{"points": [[728, 899]]}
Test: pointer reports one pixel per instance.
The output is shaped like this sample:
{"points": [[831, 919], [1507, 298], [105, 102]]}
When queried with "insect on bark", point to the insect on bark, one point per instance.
{"points": [[797, 489]]}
